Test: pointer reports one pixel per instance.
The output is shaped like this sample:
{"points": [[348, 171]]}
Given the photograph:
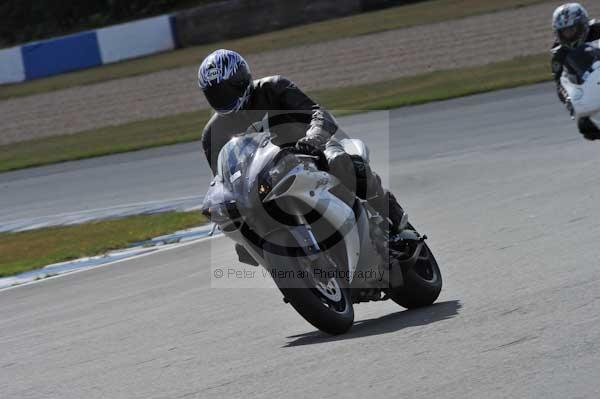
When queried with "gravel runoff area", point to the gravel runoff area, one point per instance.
{"points": [[471, 41]]}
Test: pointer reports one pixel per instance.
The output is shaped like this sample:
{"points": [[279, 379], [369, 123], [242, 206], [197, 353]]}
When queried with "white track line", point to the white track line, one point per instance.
{"points": [[167, 248]]}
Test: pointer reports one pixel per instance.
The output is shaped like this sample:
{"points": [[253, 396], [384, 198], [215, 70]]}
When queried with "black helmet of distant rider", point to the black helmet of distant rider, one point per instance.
{"points": [[224, 77], [571, 25]]}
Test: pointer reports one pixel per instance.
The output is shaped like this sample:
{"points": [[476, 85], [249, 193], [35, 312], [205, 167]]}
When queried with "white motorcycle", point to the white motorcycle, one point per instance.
{"points": [[583, 85], [325, 248]]}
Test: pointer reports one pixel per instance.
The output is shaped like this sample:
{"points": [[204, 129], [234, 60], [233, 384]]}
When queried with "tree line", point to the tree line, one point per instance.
{"points": [[26, 20]]}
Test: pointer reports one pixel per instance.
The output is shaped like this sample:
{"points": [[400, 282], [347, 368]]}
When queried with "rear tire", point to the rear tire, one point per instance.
{"points": [[422, 282], [588, 129]]}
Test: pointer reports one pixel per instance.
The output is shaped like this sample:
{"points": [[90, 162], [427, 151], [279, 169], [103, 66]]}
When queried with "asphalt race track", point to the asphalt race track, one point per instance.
{"points": [[103, 185], [508, 193]]}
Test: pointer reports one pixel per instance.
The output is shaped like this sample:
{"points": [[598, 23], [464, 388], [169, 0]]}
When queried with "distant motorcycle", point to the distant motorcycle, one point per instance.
{"points": [[325, 248], [583, 85]]}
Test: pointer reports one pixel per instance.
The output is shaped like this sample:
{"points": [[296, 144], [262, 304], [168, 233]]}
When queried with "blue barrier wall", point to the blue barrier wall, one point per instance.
{"points": [[64, 54], [87, 49]]}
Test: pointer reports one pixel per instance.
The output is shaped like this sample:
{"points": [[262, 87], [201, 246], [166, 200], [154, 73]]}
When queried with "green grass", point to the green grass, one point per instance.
{"points": [[392, 18], [188, 127], [437, 86], [20, 252], [107, 140]]}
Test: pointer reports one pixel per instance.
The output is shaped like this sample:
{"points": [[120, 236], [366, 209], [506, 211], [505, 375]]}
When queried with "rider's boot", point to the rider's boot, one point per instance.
{"points": [[386, 205]]}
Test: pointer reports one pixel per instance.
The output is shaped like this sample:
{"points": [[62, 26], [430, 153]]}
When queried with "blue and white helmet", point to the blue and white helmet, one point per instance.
{"points": [[225, 79], [571, 25]]}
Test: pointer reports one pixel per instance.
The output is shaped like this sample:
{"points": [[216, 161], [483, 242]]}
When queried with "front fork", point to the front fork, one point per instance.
{"points": [[305, 237]]}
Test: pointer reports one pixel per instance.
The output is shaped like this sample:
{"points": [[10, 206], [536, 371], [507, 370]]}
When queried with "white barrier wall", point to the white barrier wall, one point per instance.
{"points": [[12, 69], [135, 39]]}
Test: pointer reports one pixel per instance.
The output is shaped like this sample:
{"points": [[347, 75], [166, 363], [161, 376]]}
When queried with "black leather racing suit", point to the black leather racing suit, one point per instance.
{"points": [[559, 56], [293, 115]]}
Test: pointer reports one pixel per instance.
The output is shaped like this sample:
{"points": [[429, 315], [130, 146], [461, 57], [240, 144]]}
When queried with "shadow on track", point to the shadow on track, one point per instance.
{"points": [[383, 325]]}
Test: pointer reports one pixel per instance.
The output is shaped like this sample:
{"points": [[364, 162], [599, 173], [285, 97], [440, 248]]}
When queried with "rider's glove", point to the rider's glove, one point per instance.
{"points": [[311, 145]]}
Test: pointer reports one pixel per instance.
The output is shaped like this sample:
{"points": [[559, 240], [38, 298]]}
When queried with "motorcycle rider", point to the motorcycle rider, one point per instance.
{"points": [[572, 29], [239, 102]]}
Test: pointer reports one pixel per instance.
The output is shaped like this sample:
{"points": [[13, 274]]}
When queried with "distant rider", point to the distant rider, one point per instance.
{"points": [[224, 77], [572, 29]]}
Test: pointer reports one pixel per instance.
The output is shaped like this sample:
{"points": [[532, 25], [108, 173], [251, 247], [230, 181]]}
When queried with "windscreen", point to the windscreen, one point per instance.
{"points": [[242, 159]]}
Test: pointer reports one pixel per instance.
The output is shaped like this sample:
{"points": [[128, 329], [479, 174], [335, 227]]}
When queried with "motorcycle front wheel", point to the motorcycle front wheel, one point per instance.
{"points": [[319, 293]]}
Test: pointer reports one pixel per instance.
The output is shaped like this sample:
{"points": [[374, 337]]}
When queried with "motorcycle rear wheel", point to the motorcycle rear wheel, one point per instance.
{"points": [[422, 282]]}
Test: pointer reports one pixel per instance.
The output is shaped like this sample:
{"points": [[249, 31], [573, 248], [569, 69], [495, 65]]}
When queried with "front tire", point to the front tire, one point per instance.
{"points": [[422, 282], [324, 303]]}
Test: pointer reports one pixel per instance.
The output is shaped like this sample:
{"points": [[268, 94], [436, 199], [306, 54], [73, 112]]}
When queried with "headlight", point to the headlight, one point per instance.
{"points": [[274, 172]]}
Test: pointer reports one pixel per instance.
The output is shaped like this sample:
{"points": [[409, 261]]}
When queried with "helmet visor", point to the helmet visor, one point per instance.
{"points": [[224, 97], [572, 36]]}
